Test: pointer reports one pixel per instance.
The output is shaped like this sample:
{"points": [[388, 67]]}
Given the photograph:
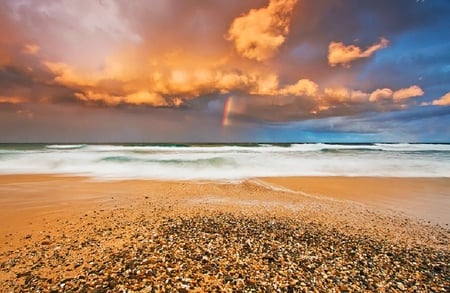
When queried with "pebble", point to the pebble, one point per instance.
{"points": [[221, 251], [401, 286]]}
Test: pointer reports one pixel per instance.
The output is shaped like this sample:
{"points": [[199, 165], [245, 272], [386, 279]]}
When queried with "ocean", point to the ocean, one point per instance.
{"points": [[226, 161]]}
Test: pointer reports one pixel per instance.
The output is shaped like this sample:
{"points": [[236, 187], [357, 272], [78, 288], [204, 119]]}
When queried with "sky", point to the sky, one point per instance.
{"points": [[225, 71]]}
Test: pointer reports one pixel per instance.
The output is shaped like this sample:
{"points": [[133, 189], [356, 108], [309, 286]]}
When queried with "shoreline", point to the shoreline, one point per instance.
{"points": [[68, 232], [420, 198]]}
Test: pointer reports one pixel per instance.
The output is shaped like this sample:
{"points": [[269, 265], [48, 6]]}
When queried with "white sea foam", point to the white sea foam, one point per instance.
{"points": [[405, 147], [65, 146], [229, 162]]}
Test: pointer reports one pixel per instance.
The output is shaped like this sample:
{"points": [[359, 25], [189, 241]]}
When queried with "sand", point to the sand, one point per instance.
{"points": [[421, 198], [62, 233]]}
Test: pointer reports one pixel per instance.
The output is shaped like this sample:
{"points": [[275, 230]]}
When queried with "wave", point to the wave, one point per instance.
{"points": [[270, 148], [335, 147], [263, 148], [65, 146], [153, 148], [230, 161], [405, 147], [214, 161]]}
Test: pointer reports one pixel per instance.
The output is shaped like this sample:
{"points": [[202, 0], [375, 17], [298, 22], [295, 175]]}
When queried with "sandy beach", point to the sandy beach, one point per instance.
{"points": [[63, 233]]}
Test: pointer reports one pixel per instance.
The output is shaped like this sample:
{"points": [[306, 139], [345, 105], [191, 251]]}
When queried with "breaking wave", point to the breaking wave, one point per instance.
{"points": [[227, 161]]}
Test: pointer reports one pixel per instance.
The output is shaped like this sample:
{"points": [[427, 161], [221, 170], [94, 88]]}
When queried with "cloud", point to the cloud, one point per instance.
{"points": [[406, 93], [138, 98], [268, 85], [398, 95], [416, 125], [310, 101], [12, 100], [343, 94], [120, 57], [264, 85], [175, 87], [258, 34], [67, 75], [304, 87], [338, 53], [31, 49], [443, 101], [381, 94], [227, 82], [170, 87]]}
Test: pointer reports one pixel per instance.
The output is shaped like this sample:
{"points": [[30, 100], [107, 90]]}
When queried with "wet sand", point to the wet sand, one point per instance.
{"points": [[422, 198], [73, 233]]}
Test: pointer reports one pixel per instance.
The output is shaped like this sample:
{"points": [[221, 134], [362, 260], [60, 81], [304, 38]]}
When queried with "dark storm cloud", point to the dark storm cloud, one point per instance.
{"points": [[418, 125], [76, 123], [28, 86]]}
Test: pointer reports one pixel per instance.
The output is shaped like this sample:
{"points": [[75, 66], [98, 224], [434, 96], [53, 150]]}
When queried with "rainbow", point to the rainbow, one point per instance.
{"points": [[226, 111]]}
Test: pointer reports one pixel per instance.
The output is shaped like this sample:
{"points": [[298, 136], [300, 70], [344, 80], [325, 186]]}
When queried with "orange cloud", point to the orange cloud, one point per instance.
{"points": [[264, 85], [12, 100], [168, 85], [443, 101], [342, 94], [268, 85], [303, 87], [381, 94], [338, 53], [331, 98], [358, 96], [31, 49], [90, 96], [125, 77], [145, 98], [398, 95], [230, 81], [67, 75], [406, 93], [118, 82], [139, 98], [258, 34]]}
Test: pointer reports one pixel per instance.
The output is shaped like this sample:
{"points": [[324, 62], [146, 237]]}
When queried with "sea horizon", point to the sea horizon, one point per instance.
{"points": [[219, 142]]}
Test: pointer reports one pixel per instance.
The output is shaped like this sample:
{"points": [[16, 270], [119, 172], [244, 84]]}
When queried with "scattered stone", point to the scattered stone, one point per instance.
{"points": [[401, 286], [225, 251]]}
